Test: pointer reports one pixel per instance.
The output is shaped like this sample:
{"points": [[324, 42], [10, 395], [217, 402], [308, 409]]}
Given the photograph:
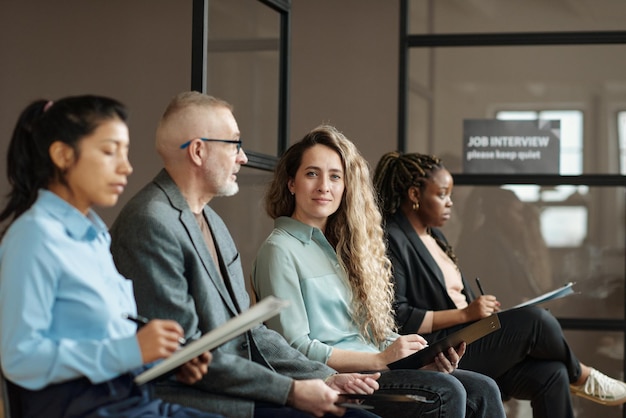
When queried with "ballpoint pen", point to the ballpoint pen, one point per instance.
{"points": [[480, 287], [142, 320]]}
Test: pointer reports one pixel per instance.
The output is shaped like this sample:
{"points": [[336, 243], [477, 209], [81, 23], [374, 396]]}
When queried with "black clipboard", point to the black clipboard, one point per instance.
{"points": [[468, 334]]}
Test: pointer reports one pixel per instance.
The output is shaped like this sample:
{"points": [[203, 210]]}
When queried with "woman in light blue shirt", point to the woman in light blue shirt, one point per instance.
{"points": [[326, 255], [65, 346]]}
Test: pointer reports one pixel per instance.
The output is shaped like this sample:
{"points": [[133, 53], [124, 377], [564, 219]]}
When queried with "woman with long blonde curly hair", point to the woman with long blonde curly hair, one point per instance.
{"points": [[327, 256], [354, 230]]}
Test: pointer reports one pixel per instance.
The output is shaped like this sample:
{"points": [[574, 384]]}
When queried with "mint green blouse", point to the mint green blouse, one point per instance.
{"points": [[298, 264]]}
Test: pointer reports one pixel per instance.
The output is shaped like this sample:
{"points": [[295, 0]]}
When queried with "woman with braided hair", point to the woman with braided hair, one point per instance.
{"points": [[528, 357]]}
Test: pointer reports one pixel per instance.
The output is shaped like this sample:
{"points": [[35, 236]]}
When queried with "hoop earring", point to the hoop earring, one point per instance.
{"points": [[416, 206]]}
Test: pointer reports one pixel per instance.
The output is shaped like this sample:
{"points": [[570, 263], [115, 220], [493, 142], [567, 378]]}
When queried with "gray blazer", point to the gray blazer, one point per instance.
{"points": [[157, 243]]}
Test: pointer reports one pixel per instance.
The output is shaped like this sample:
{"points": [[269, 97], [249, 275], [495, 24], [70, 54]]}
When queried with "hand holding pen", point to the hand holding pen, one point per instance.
{"points": [[485, 304], [142, 320], [157, 338]]}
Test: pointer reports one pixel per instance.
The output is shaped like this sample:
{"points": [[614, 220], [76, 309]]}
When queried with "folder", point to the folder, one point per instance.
{"points": [[257, 314], [468, 334], [561, 292]]}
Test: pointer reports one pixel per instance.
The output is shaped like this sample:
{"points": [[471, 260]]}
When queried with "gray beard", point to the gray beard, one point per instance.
{"points": [[229, 190]]}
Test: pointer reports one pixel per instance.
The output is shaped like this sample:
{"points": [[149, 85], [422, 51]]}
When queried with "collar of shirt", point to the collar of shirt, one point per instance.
{"points": [[297, 229], [77, 225], [305, 234]]}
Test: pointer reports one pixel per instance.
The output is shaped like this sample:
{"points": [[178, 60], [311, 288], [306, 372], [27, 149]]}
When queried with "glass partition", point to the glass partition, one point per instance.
{"points": [[485, 16], [243, 67], [240, 52], [521, 232], [448, 85], [523, 241]]}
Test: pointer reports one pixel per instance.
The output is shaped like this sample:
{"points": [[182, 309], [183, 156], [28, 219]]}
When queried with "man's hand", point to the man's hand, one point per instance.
{"points": [[194, 369], [314, 397], [319, 398]]}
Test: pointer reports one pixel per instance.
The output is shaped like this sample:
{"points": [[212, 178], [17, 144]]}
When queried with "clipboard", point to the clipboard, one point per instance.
{"points": [[468, 334], [561, 292], [257, 314], [362, 399]]}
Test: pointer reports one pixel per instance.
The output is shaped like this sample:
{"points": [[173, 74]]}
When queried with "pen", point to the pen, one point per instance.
{"points": [[480, 287], [142, 320]]}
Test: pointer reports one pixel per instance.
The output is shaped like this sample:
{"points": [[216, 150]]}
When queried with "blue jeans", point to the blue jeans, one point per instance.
{"points": [[458, 395]]}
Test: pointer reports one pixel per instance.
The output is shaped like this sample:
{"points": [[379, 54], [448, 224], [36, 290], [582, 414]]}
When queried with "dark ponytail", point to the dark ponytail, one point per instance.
{"points": [[29, 166], [24, 170]]}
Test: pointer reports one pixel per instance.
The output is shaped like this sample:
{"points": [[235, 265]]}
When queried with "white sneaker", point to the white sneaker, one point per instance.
{"points": [[601, 389]]}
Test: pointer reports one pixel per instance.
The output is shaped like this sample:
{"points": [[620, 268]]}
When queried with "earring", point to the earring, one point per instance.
{"points": [[416, 206]]}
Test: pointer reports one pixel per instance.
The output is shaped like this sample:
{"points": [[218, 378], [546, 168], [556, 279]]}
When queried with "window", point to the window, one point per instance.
{"points": [[563, 214], [621, 133], [571, 134], [240, 53]]}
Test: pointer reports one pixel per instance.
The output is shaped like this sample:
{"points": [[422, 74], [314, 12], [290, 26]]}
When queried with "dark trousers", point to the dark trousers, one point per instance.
{"points": [[530, 359], [267, 410], [79, 398]]}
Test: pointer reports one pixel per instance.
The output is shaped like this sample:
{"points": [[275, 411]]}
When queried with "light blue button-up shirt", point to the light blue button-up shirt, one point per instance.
{"points": [[298, 264], [62, 299]]}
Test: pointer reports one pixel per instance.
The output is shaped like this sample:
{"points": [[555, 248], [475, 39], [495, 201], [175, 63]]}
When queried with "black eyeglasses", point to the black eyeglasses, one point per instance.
{"points": [[239, 142]]}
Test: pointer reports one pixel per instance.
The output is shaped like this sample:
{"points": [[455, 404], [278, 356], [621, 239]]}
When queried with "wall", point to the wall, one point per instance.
{"points": [[135, 51], [334, 80], [344, 66]]}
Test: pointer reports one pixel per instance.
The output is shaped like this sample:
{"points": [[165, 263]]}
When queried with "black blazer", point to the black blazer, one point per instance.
{"points": [[419, 282]]}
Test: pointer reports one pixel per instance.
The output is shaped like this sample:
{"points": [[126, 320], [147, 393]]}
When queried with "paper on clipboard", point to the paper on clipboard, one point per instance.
{"points": [[257, 314], [561, 292], [468, 334]]}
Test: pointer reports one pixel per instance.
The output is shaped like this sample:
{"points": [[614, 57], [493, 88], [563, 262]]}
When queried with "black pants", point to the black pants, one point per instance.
{"points": [[530, 359], [119, 398], [268, 410]]}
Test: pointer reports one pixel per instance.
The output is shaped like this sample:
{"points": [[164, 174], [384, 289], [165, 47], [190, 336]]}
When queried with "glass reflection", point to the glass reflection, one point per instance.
{"points": [[521, 247], [243, 67]]}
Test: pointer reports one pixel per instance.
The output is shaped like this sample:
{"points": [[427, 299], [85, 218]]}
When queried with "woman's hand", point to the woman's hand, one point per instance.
{"points": [[403, 346], [482, 307], [158, 339], [194, 369], [447, 363]]}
